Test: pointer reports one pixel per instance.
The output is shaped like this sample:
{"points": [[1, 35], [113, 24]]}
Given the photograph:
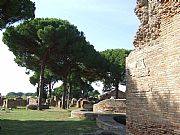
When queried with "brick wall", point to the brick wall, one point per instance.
{"points": [[153, 76], [13, 103], [108, 95], [1, 101], [110, 106]]}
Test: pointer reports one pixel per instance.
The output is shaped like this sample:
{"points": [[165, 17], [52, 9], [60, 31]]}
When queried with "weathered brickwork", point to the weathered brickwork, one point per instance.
{"points": [[150, 14], [13, 103], [110, 94], [153, 74], [1, 101], [110, 106]]}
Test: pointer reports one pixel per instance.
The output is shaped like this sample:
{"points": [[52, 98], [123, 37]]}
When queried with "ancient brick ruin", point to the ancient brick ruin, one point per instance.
{"points": [[13, 103], [110, 106], [1, 100], [110, 94], [153, 70]]}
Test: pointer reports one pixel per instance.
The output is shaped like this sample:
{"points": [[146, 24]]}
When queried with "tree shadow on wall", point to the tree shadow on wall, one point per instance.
{"points": [[149, 110]]}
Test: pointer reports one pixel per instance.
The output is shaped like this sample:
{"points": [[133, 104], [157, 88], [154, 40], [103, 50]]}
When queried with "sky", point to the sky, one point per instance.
{"points": [[107, 24]]}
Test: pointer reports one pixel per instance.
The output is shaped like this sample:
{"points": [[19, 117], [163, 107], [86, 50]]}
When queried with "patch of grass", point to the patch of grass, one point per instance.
{"points": [[53, 121]]}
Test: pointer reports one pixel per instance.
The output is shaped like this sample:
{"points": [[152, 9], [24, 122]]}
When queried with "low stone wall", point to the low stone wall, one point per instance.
{"points": [[111, 106], [51, 102], [12, 103], [1, 101], [109, 124], [9, 103], [21, 102], [73, 102], [32, 101], [84, 114], [79, 103], [108, 95], [84, 104]]}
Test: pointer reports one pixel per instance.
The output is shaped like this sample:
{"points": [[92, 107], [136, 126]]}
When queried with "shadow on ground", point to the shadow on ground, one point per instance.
{"points": [[16, 127]]}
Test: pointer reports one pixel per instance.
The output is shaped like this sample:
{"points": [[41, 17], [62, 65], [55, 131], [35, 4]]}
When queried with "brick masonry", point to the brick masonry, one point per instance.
{"points": [[108, 95], [13, 103], [153, 70], [110, 106]]}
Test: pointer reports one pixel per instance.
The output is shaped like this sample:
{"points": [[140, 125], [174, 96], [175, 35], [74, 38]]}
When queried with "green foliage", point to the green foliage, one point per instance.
{"points": [[28, 43], [94, 94], [117, 58], [80, 85], [57, 46], [58, 91], [49, 80], [18, 94], [11, 95], [76, 91], [15, 10], [55, 41], [43, 44], [34, 79]]}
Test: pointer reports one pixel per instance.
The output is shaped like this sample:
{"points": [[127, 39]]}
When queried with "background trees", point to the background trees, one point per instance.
{"points": [[116, 75], [15, 10], [19, 94], [56, 50], [37, 44], [49, 80], [55, 45]]}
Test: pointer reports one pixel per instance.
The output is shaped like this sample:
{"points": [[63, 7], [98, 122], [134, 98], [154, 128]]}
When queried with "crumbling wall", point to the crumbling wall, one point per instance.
{"points": [[151, 13], [13, 103], [108, 95], [1, 101], [110, 106], [9, 103], [32, 101], [21, 102], [153, 70]]}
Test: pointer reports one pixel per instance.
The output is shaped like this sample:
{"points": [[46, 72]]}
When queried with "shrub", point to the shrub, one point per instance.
{"points": [[32, 107]]}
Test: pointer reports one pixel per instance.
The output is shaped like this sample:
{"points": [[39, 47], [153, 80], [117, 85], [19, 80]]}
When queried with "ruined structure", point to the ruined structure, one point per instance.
{"points": [[109, 94], [13, 103], [110, 106], [153, 70], [1, 100]]}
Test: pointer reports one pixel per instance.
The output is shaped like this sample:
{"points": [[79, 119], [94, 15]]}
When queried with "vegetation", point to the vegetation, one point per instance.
{"points": [[54, 49], [49, 80], [116, 75], [19, 94], [15, 10], [43, 43], [54, 45], [76, 92], [48, 122]]}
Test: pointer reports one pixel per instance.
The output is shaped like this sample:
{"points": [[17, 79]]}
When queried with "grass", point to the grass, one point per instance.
{"points": [[53, 121]]}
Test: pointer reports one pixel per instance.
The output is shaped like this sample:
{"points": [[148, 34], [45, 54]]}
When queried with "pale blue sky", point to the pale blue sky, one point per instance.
{"points": [[107, 24]]}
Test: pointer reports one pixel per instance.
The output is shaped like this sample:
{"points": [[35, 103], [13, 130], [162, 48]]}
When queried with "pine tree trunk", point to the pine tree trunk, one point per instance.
{"points": [[41, 86], [82, 90], [69, 95], [70, 90], [117, 89], [50, 90], [41, 79], [64, 93], [68, 98]]}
